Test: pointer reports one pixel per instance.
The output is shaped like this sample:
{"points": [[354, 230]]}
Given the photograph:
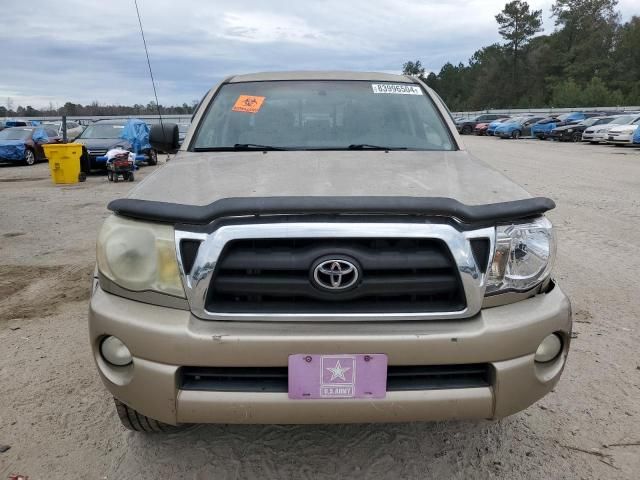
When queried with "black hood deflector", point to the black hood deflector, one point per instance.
{"points": [[174, 213]]}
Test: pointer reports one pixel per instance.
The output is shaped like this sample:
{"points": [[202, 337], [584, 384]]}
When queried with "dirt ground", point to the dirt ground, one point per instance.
{"points": [[61, 424]]}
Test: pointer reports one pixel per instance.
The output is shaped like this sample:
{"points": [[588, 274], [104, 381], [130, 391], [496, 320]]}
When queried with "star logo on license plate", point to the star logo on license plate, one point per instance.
{"points": [[338, 372]]}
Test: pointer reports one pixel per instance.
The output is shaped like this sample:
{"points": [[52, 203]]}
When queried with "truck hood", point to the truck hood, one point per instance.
{"points": [[202, 178]]}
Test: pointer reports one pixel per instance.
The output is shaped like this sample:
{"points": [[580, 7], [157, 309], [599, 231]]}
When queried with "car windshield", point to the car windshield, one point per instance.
{"points": [[15, 134], [589, 121], [563, 117], [325, 115], [102, 131], [602, 121]]}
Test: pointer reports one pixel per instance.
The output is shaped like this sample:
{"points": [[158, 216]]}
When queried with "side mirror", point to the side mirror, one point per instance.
{"points": [[164, 138]]}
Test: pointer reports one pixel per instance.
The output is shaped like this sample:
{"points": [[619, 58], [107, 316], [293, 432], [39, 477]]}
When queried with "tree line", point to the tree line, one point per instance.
{"points": [[94, 109], [591, 59]]}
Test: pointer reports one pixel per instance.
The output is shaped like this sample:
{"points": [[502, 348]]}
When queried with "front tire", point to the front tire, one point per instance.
{"points": [[516, 134], [576, 137], [29, 157], [133, 420], [466, 130]]}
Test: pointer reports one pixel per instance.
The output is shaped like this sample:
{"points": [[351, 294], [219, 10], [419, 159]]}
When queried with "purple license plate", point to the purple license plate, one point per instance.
{"points": [[337, 376]]}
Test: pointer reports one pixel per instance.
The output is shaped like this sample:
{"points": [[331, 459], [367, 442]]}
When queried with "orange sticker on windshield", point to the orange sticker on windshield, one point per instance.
{"points": [[248, 104]]}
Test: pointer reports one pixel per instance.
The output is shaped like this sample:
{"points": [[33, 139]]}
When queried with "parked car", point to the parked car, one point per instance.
{"points": [[267, 275], [543, 128], [516, 127], [636, 137], [104, 135], [466, 125], [573, 132], [493, 125], [481, 128], [24, 144], [622, 134], [73, 129], [600, 133]]}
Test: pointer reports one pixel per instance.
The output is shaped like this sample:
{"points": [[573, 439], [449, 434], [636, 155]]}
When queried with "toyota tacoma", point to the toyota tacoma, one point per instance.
{"points": [[323, 249]]}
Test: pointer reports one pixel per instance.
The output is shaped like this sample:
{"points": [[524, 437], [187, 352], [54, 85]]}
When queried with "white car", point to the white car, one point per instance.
{"points": [[623, 134], [73, 129], [600, 133]]}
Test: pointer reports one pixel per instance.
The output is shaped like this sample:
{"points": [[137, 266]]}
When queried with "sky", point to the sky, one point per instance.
{"points": [[87, 50]]}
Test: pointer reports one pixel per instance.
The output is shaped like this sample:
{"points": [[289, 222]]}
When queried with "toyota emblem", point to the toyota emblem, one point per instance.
{"points": [[335, 275]]}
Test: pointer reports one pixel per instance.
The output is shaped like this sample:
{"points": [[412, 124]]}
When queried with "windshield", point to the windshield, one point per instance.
{"points": [[623, 120], [589, 121], [322, 115], [602, 121], [102, 131], [15, 134]]}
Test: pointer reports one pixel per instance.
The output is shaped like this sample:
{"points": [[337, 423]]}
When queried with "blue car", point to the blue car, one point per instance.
{"points": [[491, 129], [516, 127], [636, 137]]}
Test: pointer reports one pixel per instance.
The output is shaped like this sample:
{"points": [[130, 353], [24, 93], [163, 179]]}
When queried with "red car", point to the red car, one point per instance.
{"points": [[481, 128], [24, 144]]}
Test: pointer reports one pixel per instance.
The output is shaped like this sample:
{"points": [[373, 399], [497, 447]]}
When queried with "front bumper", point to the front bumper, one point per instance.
{"points": [[620, 138], [163, 339], [560, 136]]}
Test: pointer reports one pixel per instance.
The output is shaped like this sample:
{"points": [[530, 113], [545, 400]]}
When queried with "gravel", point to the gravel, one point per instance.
{"points": [[61, 423]]}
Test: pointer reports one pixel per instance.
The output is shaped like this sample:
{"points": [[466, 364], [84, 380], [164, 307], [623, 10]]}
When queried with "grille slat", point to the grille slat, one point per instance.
{"points": [[387, 285], [274, 276], [275, 379], [267, 259]]}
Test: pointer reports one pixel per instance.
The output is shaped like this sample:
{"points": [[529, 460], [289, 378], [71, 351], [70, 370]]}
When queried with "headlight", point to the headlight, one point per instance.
{"points": [[139, 256], [570, 130], [523, 256]]}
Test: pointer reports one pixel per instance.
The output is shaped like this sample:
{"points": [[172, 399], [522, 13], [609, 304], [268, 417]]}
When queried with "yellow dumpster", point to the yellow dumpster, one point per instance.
{"points": [[64, 162]]}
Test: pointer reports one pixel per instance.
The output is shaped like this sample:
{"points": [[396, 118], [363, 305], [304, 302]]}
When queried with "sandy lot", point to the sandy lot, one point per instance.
{"points": [[60, 423]]}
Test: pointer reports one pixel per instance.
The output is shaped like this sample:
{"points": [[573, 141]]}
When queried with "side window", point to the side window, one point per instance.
{"points": [[51, 132]]}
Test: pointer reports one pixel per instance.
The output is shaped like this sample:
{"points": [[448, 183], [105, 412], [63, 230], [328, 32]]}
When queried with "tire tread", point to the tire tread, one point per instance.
{"points": [[131, 419]]}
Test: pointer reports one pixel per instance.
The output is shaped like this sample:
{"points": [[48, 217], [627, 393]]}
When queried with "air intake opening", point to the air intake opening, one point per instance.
{"points": [[480, 248], [188, 253]]}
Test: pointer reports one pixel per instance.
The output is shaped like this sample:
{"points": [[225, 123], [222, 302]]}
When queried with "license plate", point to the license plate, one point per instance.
{"points": [[337, 376]]}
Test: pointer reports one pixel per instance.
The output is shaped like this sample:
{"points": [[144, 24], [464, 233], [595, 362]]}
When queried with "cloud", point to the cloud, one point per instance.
{"points": [[84, 51]]}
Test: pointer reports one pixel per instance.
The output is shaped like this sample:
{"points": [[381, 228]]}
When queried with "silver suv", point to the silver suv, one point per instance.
{"points": [[323, 249]]}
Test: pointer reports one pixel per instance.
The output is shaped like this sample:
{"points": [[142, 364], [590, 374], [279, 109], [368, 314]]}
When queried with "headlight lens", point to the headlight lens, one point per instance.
{"points": [[139, 256], [523, 256]]}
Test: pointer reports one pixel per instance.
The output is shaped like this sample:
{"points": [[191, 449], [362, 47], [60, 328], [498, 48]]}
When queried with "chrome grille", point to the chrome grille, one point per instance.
{"points": [[259, 271]]}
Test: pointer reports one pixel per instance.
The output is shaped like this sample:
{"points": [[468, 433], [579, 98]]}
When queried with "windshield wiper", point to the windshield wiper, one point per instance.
{"points": [[238, 146], [367, 146], [255, 146]]}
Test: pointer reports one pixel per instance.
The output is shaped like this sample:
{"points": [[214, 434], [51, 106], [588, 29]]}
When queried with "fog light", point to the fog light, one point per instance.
{"points": [[549, 348], [115, 352]]}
